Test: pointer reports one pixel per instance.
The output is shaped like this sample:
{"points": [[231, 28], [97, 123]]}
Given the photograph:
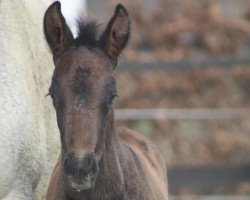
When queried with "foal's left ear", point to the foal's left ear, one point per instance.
{"points": [[116, 35]]}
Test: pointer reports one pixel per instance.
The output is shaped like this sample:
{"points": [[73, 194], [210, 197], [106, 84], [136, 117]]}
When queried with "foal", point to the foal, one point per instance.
{"points": [[97, 160]]}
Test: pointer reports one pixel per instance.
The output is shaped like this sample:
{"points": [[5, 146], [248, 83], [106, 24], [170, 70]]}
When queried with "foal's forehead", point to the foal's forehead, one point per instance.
{"points": [[84, 60]]}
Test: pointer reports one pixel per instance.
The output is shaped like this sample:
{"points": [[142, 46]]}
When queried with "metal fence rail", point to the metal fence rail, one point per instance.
{"points": [[182, 113], [184, 64], [201, 178]]}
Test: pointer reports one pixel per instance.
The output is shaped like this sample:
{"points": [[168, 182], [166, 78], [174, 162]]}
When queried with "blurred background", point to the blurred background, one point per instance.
{"points": [[184, 81]]}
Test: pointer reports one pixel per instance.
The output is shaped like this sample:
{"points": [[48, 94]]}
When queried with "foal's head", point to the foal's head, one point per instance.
{"points": [[83, 88]]}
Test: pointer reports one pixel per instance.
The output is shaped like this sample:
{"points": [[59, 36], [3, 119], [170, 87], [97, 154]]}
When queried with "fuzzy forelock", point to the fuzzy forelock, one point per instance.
{"points": [[87, 34]]}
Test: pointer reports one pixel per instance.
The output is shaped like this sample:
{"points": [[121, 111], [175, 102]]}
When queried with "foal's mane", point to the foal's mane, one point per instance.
{"points": [[87, 34]]}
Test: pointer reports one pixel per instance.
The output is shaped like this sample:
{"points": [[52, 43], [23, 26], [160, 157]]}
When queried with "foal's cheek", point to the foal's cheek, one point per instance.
{"points": [[60, 121], [105, 109], [60, 115]]}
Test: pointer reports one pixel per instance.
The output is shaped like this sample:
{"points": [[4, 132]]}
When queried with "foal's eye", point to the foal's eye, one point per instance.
{"points": [[113, 96], [53, 96], [51, 93]]}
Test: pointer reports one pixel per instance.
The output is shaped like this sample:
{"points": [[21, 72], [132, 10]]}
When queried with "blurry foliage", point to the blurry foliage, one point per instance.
{"points": [[181, 28], [246, 14], [205, 88]]}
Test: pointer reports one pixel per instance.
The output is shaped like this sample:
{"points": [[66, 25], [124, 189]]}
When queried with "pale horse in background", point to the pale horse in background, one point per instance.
{"points": [[29, 138]]}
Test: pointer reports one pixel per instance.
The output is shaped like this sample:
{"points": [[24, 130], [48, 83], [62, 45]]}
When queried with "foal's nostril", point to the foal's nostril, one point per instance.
{"points": [[80, 167], [88, 162]]}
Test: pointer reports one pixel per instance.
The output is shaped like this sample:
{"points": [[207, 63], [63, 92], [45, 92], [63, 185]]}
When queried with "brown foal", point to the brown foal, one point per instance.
{"points": [[97, 161]]}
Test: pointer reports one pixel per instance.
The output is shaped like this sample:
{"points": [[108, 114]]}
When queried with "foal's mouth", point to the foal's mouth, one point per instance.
{"points": [[82, 184]]}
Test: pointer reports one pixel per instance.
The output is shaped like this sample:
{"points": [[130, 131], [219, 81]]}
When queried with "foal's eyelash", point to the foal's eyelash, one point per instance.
{"points": [[48, 94], [114, 95]]}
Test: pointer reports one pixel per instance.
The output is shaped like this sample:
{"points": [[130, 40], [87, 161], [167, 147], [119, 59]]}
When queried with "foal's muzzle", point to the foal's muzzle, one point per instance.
{"points": [[81, 172]]}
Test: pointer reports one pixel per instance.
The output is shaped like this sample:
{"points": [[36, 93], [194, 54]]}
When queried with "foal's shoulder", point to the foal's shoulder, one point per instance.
{"points": [[140, 143], [135, 138]]}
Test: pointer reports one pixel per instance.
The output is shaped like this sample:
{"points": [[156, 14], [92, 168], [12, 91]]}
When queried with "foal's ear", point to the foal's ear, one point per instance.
{"points": [[57, 33], [116, 35]]}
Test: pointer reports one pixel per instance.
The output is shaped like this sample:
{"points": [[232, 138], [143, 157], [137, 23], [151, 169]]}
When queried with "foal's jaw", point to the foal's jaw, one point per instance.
{"points": [[84, 184]]}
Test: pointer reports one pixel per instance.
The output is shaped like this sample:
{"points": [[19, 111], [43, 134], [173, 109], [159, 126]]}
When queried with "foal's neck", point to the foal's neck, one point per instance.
{"points": [[110, 171]]}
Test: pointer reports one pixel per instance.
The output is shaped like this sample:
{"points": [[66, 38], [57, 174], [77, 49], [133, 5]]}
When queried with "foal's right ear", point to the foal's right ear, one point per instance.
{"points": [[57, 33], [115, 37]]}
